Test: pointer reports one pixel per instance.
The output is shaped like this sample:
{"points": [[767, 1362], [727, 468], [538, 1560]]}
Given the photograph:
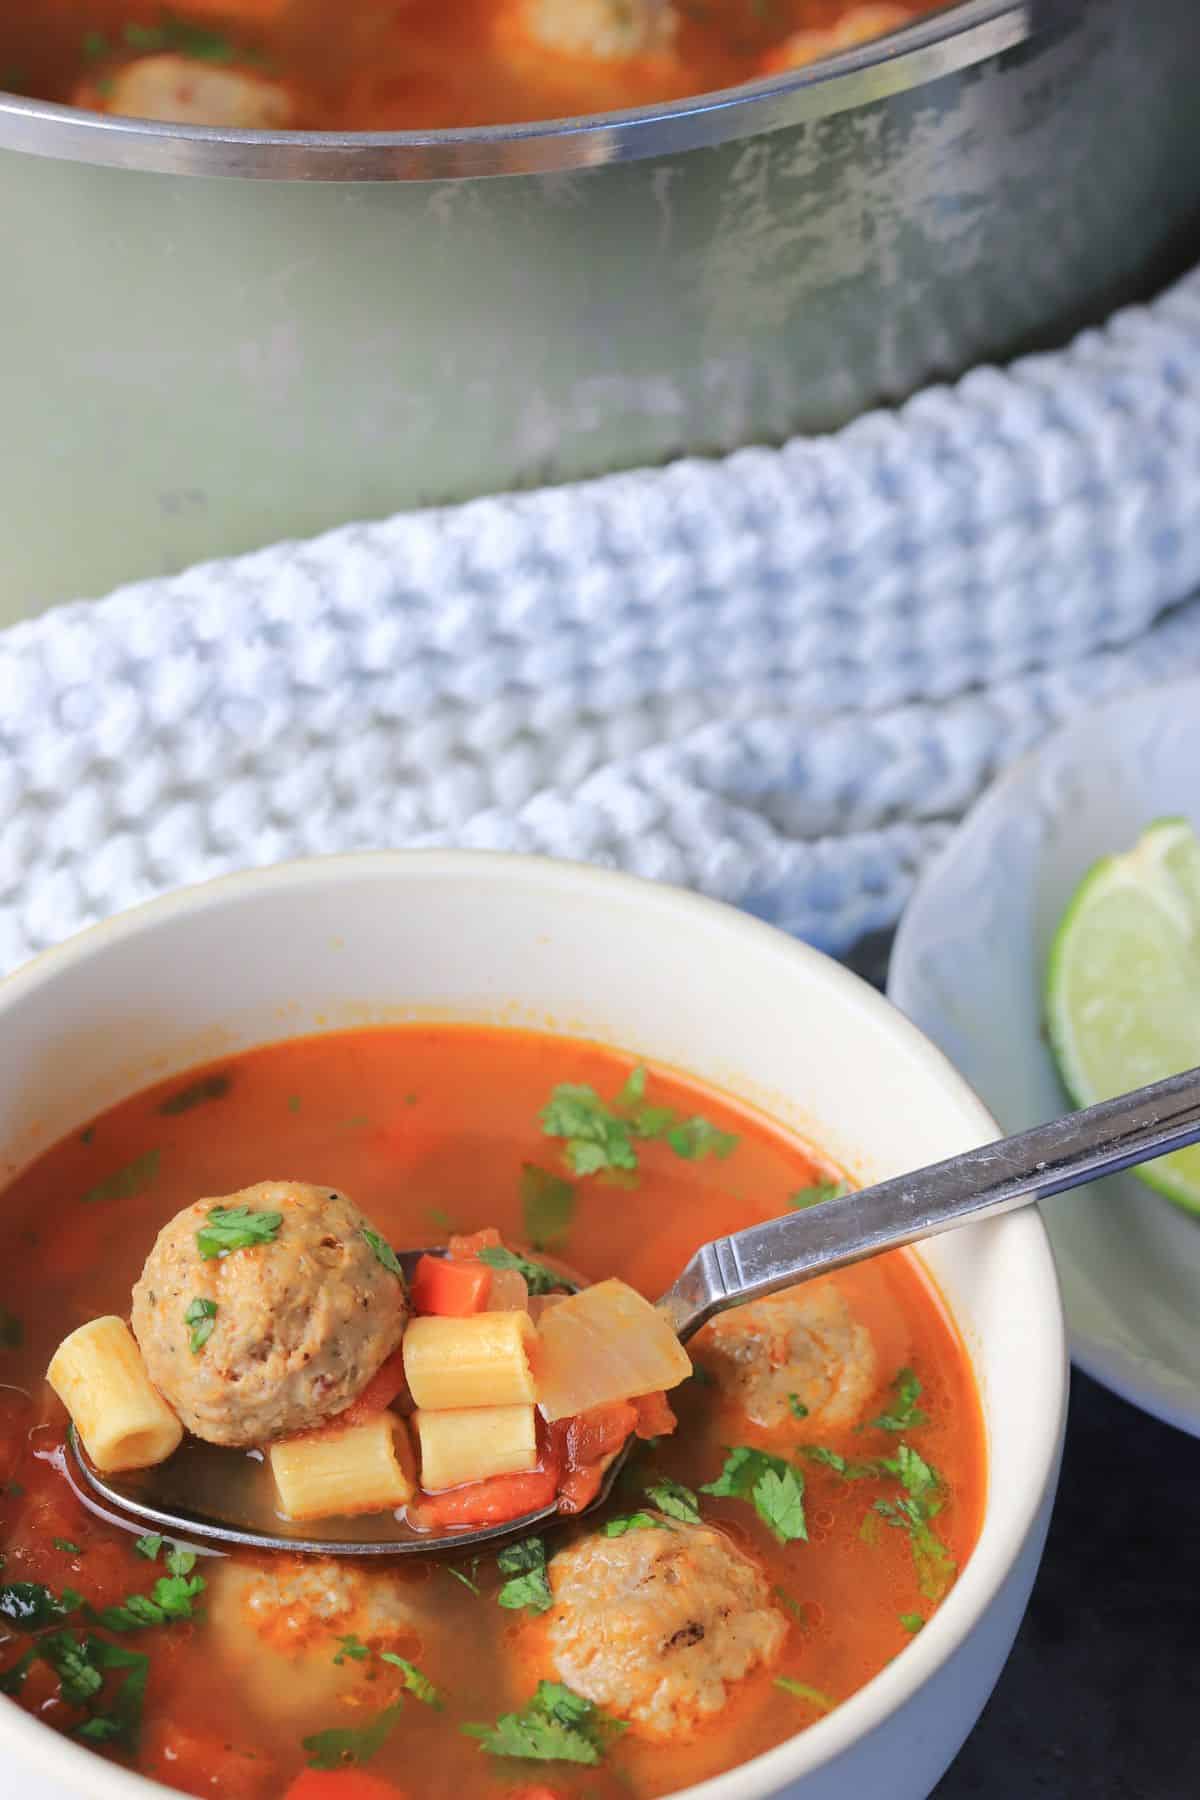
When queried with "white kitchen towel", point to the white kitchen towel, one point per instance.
{"points": [[778, 677]]}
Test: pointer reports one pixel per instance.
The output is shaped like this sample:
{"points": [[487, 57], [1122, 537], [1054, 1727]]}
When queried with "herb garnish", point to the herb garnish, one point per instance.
{"points": [[923, 1488], [556, 1725], [171, 1598], [468, 1581], [209, 1087], [603, 1137], [774, 1488], [67, 1547], [912, 1622], [417, 1684], [124, 1183], [672, 1498], [539, 1279], [638, 1521], [149, 1546], [816, 1193], [30, 1606], [12, 1332], [831, 1459], [383, 1252], [802, 1691], [903, 1414], [334, 1749], [547, 1206], [797, 1407], [236, 1228], [528, 1584], [352, 1647], [201, 1315]]}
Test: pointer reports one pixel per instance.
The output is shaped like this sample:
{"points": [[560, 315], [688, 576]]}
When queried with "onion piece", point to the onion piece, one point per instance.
{"points": [[603, 1344]]}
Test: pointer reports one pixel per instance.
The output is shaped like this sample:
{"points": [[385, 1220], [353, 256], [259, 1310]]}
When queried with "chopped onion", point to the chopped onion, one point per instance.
{"points": [[604, 1344], [509, 1292]]}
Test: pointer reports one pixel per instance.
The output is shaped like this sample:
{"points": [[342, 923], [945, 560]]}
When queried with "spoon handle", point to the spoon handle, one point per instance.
{"points": [[981, 1184]]}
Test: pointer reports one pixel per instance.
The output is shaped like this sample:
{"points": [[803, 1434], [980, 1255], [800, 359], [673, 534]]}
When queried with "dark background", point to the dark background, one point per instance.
{"points": [[1100, 1699]]}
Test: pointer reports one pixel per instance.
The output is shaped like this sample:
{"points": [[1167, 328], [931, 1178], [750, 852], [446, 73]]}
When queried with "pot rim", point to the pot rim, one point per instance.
{"points": [[945, 42]]}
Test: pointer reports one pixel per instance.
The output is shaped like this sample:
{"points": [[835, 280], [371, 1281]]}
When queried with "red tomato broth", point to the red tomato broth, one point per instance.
{"points": [[427, 1129]]}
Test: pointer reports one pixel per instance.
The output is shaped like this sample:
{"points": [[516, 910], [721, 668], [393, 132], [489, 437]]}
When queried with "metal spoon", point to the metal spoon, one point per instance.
{"points": [[981, 1184]]}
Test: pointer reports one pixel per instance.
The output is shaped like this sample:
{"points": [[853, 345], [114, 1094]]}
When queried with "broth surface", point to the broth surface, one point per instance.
{"points": [[429, 1129]]}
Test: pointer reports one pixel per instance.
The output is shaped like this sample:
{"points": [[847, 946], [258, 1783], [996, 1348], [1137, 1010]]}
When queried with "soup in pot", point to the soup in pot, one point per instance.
{"points": [[208, 1269]]}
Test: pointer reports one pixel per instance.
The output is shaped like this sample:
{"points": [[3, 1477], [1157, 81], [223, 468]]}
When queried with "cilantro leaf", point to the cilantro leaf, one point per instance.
{"points": [[149, 1546], [634, 1090], [547, 1206], [29, 1606], [201, 1316], [903, 1414], [67, 1547], [774, 1488], [696, 1138], [797, 1609], [334, 1749], [171, 1599], [67, 1654], [672, 1498], [596, 1137], [383, 1252], [638, 1521], [528, 1584], [121, 1723], [465, 1579], [12, 1332], [816, 1193], [923, 1491], [352, 1647], [797, 1407], [13, 1679], [832, 1459], [912, 1622], [124, 1183], [802, 1691], [538, 1278], [556, 1725], [918, 1479], [415, 1682], [236, 1228], [209, 1087]]}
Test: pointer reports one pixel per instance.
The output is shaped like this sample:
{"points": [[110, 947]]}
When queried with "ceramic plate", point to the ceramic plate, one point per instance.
{"points": [[968, 968]]}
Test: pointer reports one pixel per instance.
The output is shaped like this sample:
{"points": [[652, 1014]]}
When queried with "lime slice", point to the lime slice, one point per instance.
{"points": [[1123, 983]]}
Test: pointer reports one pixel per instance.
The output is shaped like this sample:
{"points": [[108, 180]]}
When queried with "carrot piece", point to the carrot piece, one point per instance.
{"points": [[598, 1433], [654, 1416], [488, 1502], [340, 1784], [450, 1288], [386, 1385], [469, 1244], [580, 1487]]}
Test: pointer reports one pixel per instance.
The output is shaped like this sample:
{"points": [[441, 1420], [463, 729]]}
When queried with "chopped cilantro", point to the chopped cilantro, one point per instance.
{"points": [[798, 1611], [634, 1091], [832, 1459], [236, 1228], [801, 1691], [29, 1606], [556, 1725], [923, 1490], [816, 1193], [528, 1584], [12, 1332], [180, 1562], [194, 41], [67, 1654], [774, 1488], [351, 1647], [122, 1722], [201, 1316], [603, 1137], [547, 1206], [672, 1498], [13, 1679], [334, 1749], [467, 1580], [912, 1622], [124, 1183], [171, 1599], [437, 1215], [915, 1476], [696, 1138], [638, 1521], [294, 1103], [149, 1546], [539, 1279], [67, 1547], [383, 1252], [797, 1407], [868, 1531], [415, 1682], [95, 46], [903, 1413], [209, 1087]]}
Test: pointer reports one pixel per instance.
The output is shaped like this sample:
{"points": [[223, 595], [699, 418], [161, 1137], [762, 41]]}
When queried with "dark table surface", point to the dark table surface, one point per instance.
{"points": [[1100, 1699], [1101, 1696]]}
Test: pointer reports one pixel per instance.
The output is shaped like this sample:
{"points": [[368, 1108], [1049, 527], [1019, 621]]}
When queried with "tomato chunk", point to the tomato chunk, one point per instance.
{"points": [[341, 1784], [488, 1502], [451, 1287], [654, 1416], [468, 1244]]}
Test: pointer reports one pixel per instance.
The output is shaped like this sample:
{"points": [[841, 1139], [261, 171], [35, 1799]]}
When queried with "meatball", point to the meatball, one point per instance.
{"points": [[276, 1626], [303, 1319], [658, 1626], [182, 91], [804, 1341], [858, 27], [598, 28]]}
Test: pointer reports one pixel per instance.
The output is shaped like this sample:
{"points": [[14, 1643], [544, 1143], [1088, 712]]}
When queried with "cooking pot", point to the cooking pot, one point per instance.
{"points": [[214, 339]]}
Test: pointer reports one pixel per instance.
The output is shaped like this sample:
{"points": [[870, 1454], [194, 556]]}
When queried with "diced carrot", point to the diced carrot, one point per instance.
{"points": [[488, 1502], [341, 1784], [654, 1416], [580, 1488], [203, 1762], [598, 1433], [386, 1385], [469, 1244], [451, 1287]]}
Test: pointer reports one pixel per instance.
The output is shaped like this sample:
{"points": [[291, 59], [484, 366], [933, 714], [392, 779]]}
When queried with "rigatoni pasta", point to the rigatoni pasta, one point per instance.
{"points": [[475, 1444], [362, 1469], [100, 1377], [478, 1361]]}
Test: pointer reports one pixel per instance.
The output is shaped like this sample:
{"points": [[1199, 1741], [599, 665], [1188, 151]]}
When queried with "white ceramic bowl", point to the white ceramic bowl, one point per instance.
{"points": [[361, 939]]}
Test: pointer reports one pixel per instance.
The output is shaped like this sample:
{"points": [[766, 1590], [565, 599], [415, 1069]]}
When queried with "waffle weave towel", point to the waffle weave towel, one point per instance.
{"points": [[778, 677]]}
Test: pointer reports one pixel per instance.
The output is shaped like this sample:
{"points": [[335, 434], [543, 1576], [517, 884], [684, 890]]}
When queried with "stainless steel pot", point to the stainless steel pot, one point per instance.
{"points": [[214, 339]]}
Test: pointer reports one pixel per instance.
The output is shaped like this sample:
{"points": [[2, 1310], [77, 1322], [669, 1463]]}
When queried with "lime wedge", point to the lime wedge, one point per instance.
{"points": [[1123, 983]]}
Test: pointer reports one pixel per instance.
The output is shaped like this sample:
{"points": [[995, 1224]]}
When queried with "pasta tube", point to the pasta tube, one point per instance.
{"points": [[359, 1469], [470, 1445], [480, 1360], [99, 1376]]}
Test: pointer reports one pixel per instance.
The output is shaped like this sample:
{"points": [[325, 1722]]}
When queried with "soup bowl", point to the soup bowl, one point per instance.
{"points": [[375, 939]]}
